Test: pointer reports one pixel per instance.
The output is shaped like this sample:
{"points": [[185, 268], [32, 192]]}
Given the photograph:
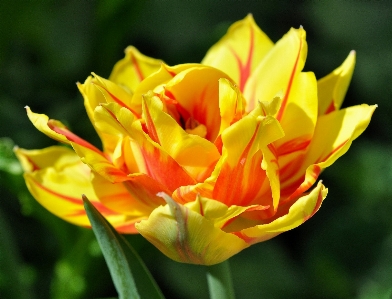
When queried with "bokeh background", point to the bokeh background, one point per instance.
{"points": [[47, 46]]}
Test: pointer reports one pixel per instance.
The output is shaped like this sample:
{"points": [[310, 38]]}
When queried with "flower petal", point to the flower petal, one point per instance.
{"points": [[186, 236], [150, 157], [133, 69], [332, 138], [200, 100], [240, 51], [155, 82], [193, 153], [241, 175], [231, 104], [59, 182], [135, 198], [40, 121], [304, 208], [277, 70], [333, 87]]}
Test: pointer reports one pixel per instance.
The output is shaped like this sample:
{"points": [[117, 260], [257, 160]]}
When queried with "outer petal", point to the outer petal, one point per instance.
{"points": [[333, 136], [56, 178], [333, 87], [40, 121], [304, 208], [277, 70], [186, 236], [56, 130], [133, 68], [192, 152], [240, 51]]}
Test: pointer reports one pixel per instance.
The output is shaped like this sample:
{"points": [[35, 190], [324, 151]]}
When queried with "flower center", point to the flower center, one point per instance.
{"points": [[192, 126]]}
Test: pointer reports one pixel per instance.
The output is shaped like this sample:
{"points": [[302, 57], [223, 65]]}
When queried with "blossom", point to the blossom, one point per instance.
{"points": [[206, 159]]}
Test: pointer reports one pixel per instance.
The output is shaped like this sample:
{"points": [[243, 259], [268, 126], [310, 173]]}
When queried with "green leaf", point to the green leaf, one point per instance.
{"points": [[120, 257]]}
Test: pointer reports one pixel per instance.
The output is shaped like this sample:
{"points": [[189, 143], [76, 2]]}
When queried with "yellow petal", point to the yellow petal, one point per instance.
{"points": [[201, 100], [332, 138], [150, 157], [333, 87], [134, 198], [304, 208], [93, 97], [192, 152], [54, 156], [277, 70], [240, 51], [114, 93], [155, 82], [133, 69], [57, 178], [231, 104], [186, 236], [40, 121]]}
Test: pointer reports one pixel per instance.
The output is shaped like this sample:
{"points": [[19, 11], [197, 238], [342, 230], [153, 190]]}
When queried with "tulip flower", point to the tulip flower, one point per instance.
{"points": [[206, 159]]}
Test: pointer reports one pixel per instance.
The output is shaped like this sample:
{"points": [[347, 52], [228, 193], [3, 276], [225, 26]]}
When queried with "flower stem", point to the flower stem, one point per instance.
{"points": [[219, 280]]}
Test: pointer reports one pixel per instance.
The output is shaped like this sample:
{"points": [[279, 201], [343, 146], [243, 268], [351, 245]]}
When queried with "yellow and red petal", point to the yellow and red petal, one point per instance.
{"points": [[243, 166], [192, 152], [186, 236], [300, 115], [155, 82], [277, 71], [231, 104], [150, 157], [135, 198], [58, 186], [54, 156], [200, 101], [240, 51], [287, 217], [40, 121], [133, 69], [333, 87], [332, 138]]}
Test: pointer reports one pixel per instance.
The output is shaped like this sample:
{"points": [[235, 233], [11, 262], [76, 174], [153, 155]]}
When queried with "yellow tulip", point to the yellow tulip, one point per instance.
{"points": [[205, 159]]}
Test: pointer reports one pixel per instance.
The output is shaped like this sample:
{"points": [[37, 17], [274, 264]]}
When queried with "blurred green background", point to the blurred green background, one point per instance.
{"points": [[47, 46]]}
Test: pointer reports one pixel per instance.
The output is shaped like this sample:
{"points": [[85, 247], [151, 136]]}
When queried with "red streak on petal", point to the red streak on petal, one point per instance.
{"points": [[247, 239], [137, 68], [171, 73], [245, 69], [73, 138], [219, 144], [303, 187], [333, 151], [121, 103], [34, 166], [229, 186], [100, 207], [316, 207], [331, 107], [152, 132], [286, 96], [293, 145]]}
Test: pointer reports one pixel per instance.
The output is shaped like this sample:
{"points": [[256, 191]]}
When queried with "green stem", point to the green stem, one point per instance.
{"points": [[219, 281]]}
